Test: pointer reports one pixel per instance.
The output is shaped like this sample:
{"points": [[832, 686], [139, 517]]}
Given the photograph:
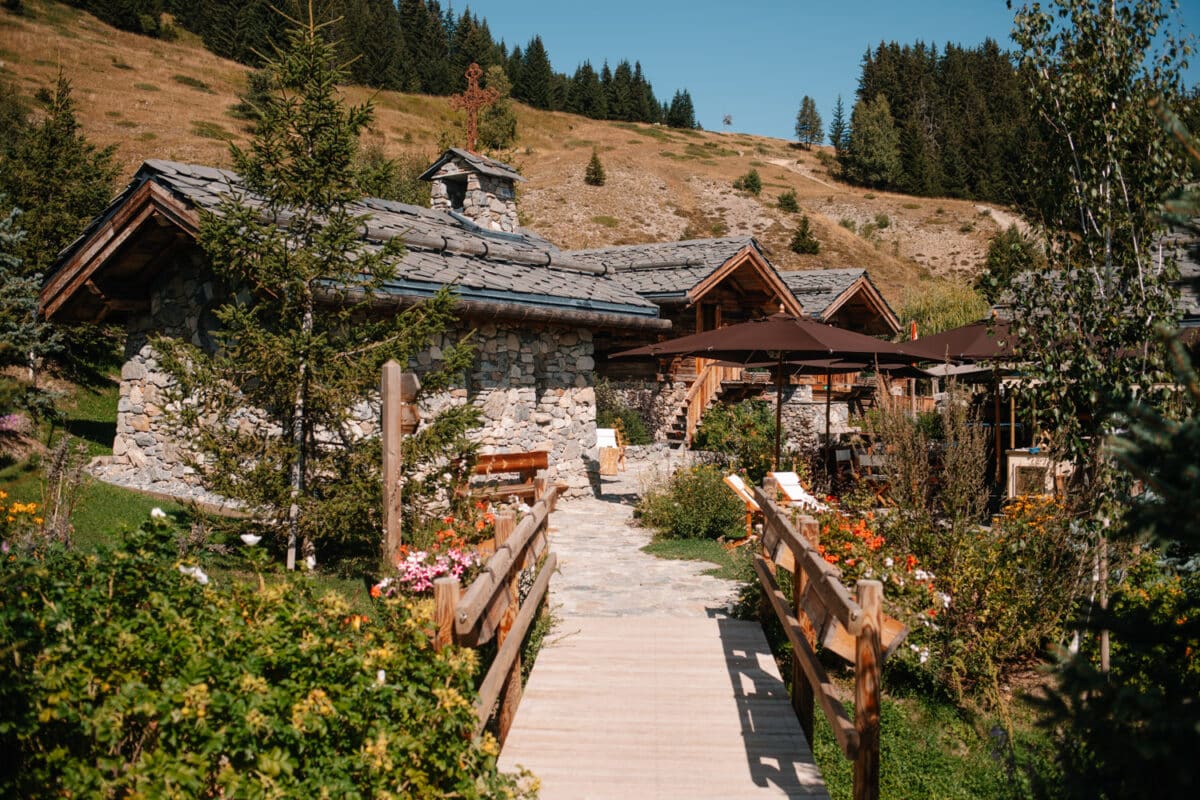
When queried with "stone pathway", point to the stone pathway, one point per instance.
{"points": [[603, 571]]}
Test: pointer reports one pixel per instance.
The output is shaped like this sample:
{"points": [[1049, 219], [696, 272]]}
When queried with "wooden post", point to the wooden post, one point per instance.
{"points": [[867, 665], [398, 393], [510, 697], [446, 592], [802, 689]]}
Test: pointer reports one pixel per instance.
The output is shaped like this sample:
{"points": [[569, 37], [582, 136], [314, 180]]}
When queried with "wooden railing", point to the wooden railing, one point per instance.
{"points": [[821, 607], [492, 608], [708, 382]]}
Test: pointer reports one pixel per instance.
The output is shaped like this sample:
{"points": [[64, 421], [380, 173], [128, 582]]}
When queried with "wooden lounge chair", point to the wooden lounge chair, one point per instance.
{"points": [[735, 482], [794, 493]]}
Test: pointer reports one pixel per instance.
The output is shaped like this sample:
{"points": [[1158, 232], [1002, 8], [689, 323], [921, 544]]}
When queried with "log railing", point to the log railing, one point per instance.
{"points": [[492, 608], [704, 389], [822, 608]]}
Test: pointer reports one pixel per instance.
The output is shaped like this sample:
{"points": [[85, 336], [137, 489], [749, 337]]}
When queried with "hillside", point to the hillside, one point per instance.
{"points": [[157, 99]]}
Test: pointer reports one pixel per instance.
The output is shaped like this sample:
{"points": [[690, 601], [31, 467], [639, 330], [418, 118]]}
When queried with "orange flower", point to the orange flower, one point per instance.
{"points": [[910, 562], [375, 591]]}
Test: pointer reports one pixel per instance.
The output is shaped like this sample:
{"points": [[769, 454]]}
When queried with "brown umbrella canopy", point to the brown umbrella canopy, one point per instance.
{"points": [[773, 340], [979, 341], [769, 340]]}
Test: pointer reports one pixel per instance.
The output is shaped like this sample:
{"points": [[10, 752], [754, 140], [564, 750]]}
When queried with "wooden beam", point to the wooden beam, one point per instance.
{"points": [[823, 689], [867, 669], [398, 393]]}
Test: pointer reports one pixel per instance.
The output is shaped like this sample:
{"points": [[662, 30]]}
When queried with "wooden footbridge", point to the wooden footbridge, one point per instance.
{"points": [[671, 707]]}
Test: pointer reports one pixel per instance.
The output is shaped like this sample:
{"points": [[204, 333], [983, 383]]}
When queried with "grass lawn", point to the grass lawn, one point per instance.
{"points": [[733, 565]]}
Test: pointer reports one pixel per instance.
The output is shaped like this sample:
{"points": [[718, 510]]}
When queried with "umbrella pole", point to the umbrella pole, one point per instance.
{"points": [[828, 433], [778, 409], [996, 403]]}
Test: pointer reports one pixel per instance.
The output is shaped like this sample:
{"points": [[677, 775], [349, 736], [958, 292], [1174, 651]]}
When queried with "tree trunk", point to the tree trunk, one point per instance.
{"points": [[299, 429]]}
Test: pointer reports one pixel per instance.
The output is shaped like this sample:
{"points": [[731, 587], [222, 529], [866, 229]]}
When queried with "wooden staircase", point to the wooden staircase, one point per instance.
{"points": [[713, 383]]}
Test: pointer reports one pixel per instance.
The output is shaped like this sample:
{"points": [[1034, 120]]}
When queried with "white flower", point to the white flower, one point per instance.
{"points": [[157, 513], [888, 562], [921, 575], [524, 509], [945, 600], [251, 539], [311, 562], [924, 654], [381, 677], [196, 573]]}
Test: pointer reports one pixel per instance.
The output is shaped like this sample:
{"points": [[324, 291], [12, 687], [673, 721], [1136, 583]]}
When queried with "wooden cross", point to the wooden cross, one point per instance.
{"points": [[472, 100]]}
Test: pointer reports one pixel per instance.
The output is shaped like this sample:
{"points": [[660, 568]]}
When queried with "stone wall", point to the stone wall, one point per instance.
{"points": [[489, 202], [532, 383]]}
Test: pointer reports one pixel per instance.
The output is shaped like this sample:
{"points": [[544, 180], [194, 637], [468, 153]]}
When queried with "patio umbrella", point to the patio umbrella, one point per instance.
{"points": [[774, 340], [979, 341]]}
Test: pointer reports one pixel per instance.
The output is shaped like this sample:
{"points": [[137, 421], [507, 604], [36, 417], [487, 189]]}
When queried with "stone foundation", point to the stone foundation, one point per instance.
{"points": [[532, 384]]}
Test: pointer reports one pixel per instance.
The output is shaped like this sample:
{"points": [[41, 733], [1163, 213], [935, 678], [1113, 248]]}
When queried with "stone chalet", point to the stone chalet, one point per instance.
{"points": [[546, 319]]}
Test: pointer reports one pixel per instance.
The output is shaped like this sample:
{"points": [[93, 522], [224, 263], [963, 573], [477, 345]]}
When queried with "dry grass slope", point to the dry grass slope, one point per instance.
{"points": [[172, 100]]}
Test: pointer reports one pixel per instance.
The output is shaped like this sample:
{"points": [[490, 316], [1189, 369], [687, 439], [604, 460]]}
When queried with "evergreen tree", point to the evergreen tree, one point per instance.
{"points": [[1009, 254], [803, 240], [810, 129], [873, 154], [59, 179], [586, 95], [681, 114], [281, 247], [837, 128], [621, 99], [498, 122], [24, 338], [594, 175], [533, 85]]}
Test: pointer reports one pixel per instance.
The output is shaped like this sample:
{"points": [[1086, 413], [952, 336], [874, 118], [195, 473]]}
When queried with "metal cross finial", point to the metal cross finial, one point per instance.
{"points": [[472, 100]]}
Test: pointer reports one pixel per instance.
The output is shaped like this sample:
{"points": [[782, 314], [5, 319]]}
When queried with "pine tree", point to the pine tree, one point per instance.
{"points": [[621, 100], [810, 129], [533, 85], [681, 114], [837, 128], [586, 94], [803, 241], [873, 155], [498, 122], [57, 178], [290, 241], [594, 175], [24, 338]]}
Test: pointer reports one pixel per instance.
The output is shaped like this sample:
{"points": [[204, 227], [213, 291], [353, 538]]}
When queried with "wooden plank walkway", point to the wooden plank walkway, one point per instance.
{"points": [[660, 707]]}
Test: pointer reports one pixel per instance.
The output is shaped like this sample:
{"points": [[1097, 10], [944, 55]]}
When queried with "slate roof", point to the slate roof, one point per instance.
{"points": [[665, 269], [488, 166], [817, 289], [487, 266]]}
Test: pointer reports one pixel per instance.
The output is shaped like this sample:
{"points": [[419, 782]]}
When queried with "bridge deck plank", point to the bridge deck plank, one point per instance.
{"points": [[660, 707]]}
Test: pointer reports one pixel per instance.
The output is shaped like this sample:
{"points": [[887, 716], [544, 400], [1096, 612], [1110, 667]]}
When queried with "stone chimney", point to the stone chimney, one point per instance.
{"points": [[476, 187]]}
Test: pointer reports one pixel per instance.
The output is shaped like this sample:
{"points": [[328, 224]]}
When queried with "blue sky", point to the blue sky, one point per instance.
{"points": [[752, 59]]}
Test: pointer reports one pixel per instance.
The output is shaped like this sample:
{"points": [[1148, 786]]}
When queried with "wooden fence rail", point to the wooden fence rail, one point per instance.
{"points": [[822, 607], [491, 608]]}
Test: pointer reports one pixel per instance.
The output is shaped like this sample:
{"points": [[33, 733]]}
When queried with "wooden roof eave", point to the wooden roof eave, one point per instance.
{"points": [[78, 273], [748, 255], [873, 298]]}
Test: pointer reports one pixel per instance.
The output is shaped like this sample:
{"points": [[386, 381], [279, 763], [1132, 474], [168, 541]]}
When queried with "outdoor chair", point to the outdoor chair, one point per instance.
{"points": [[735, 482], [872, 471], [794, 493]]}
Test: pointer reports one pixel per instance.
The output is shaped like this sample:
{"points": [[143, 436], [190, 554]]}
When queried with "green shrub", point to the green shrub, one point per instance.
{"points": [[848, 224], [126, 677], [694, 504], [745, 431], [750, 182], [882, 221], [803, 240], [612, 408], [594, 174], [194, 83], [787, 202]]}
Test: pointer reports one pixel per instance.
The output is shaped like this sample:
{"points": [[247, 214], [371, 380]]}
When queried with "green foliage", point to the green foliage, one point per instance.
{"points": [[941, 306], [1009, 254], [803, 240], [694, 504], [882, 221], [1137, 718], [56, 177], [810, 129], [128, 676], [254, 98], [745, 431], [397, 179], [750, 182], [681, 113], [24, 338], [838, 128], [594, 174], [873, 152], [612, 408], [498, 122], [787, 201], [301, 364], [730, 565]]}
